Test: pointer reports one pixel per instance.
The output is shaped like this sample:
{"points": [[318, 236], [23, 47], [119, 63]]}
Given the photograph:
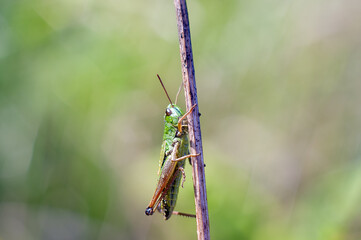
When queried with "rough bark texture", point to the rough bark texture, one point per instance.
{"points": [[194, 128]]}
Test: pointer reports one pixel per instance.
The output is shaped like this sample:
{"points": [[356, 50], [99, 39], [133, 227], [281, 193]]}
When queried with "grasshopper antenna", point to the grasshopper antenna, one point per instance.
{"points": [[160, 80], [179, 90]]}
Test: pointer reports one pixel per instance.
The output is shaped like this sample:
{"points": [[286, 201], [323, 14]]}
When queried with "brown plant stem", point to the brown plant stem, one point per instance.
{"points": [[194, 128]]}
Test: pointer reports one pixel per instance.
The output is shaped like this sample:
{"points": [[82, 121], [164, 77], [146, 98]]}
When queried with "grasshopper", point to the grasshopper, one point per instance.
{"points": [[173, 153]]}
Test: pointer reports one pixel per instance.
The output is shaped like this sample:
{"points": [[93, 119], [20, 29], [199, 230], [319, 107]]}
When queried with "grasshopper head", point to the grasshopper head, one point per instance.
{"points": [[172, 114]]}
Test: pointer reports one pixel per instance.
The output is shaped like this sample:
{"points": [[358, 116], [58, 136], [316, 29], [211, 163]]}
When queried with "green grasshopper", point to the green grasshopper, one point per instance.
{"points": [[173, 153]]}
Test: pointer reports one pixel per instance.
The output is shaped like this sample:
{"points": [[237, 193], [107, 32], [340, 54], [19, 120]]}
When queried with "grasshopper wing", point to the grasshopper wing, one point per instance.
{"points": [[162, 157]]}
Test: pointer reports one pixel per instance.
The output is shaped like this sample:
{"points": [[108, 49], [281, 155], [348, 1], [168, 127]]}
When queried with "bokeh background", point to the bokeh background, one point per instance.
{"points": [[81, 118]]}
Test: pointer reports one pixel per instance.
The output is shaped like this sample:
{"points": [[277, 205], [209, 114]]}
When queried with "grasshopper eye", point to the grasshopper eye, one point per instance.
{"points": [[168, 112]]}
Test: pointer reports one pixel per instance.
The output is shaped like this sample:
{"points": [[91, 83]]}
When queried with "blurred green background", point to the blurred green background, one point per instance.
{"points": [[81, 118]]}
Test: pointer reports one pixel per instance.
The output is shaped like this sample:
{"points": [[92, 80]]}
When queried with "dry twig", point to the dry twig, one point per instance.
{"points": [[194, 129]]}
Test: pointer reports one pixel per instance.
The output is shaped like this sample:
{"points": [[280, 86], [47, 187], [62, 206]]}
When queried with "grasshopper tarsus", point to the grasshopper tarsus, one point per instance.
{"points": [[190, 161]]}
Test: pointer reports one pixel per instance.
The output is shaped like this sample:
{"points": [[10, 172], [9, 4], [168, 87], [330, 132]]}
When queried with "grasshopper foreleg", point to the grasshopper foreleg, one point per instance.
{"points": [[184, 116]]}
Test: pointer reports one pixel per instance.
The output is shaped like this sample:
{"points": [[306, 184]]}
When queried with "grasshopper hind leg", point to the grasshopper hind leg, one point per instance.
{"points": [[184, 214]]}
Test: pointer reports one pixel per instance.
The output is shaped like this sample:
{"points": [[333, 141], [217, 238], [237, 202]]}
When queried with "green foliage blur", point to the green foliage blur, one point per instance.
{"points": [[81, 118]]}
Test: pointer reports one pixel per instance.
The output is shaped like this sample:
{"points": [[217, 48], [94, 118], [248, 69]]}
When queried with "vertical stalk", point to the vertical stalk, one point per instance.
{"points": [[194, 128]]}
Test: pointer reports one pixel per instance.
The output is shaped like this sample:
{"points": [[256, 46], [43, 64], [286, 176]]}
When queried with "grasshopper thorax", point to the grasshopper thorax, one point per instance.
{"points": [[172, 114]]}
